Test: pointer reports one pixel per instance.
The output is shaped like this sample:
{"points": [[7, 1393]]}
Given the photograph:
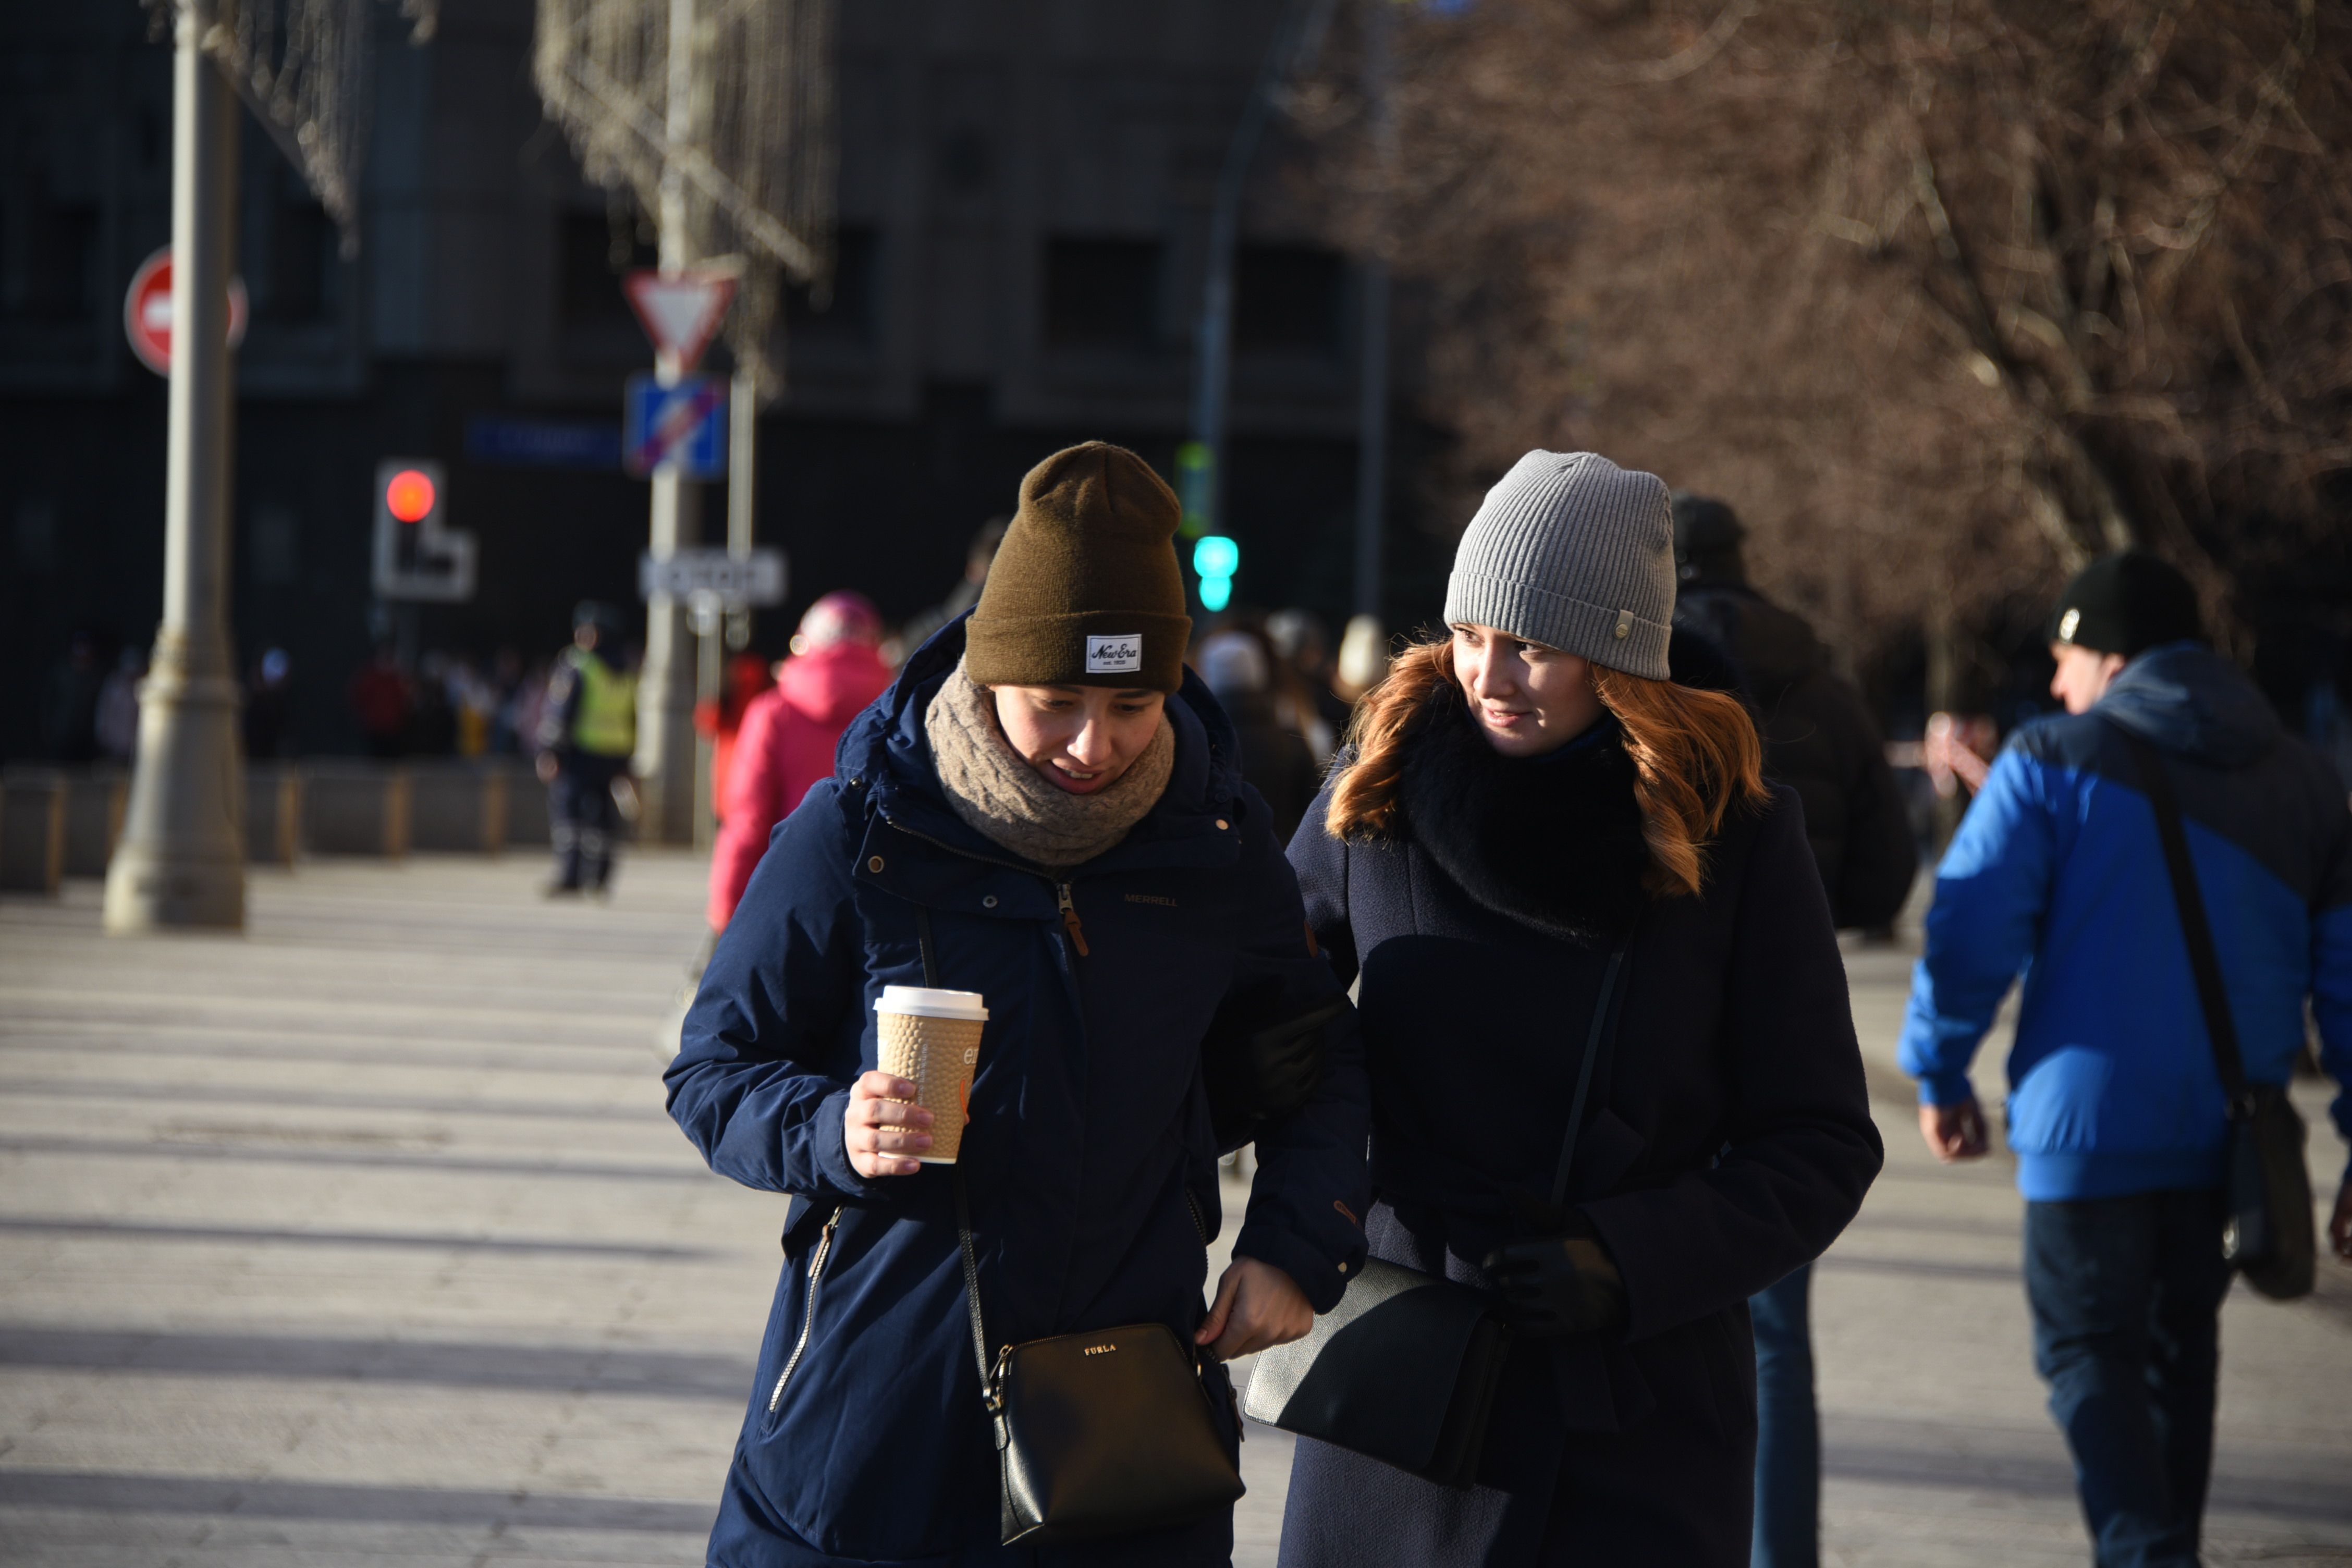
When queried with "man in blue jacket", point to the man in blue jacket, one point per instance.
{"points": [[2116, 1108]]}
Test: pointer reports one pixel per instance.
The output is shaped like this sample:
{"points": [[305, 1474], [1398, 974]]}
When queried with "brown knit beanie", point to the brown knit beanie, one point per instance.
{"points": [[1086, 590]]}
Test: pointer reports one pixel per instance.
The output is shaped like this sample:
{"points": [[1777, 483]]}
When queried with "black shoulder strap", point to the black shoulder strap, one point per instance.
{"points": [[2155, 782], [962, 1201], [1599, 1034]]}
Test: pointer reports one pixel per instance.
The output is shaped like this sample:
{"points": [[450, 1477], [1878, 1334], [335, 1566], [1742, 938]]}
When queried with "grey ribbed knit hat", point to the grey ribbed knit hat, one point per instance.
{"points": [[1574, 552]]}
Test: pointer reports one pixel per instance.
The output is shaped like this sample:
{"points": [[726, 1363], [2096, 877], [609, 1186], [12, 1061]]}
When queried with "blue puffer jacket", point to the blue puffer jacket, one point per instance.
{"points": [[1089, 1157], [2057, 871]]}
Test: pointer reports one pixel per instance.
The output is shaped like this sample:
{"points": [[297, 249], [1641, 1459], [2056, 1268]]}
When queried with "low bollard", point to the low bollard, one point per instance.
{"points": [[355, 808], [32, 830], [273, 813], [458, 806], [527, 822], [95, 801]]}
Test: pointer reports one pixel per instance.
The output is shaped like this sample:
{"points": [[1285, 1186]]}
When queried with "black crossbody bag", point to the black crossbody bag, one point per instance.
{"points": [[1404, 1369], [2268, 1236], [1101, 1433]]}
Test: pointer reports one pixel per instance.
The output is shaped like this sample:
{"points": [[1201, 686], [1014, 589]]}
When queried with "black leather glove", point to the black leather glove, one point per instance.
{"points": [[1558, 1285]]}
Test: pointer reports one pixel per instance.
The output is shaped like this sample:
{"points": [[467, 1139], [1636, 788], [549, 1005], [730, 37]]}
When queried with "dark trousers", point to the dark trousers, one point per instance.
{"points": [[1788, 1427], [2126, 1297], [584, 822]]}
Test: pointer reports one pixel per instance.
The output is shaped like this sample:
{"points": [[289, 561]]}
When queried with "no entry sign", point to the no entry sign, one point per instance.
{"points": [[147, 313]]}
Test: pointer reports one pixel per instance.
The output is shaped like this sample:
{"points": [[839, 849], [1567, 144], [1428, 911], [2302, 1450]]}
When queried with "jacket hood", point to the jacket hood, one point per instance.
{"points": [[887, 748], [829, 684], [2188, 699]]}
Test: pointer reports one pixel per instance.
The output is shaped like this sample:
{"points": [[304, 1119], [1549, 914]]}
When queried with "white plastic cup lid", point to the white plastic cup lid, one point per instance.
{"points": [[923, 1002]]}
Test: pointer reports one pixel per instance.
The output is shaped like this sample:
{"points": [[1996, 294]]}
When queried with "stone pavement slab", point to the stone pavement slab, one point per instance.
{"points": [[363, 1238]]}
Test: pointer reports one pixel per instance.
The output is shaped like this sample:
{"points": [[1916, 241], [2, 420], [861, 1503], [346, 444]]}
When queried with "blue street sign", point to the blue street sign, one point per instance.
{"points": [[684, 425], [540, 443]]}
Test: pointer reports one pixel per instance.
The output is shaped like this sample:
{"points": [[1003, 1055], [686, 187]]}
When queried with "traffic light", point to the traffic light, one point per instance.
{"points": [[417, 555], [1196, 487], [1216, 558]]}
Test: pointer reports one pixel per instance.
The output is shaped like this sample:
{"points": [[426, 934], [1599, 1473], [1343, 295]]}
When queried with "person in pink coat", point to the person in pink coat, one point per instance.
{"points": [[789, 733]]}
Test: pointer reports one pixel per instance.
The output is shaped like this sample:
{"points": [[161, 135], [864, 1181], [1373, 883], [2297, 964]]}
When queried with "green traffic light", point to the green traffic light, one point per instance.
{"points": [[1217, 556]]}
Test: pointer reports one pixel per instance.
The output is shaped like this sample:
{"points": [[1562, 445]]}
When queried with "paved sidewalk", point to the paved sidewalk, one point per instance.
{"points": [[363, 1238]]}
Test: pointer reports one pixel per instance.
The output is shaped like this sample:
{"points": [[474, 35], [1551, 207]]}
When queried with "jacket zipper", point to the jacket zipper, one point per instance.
{"points": [[808, 1311], [1070, 918], [1194, 1210], [1070, 926]]}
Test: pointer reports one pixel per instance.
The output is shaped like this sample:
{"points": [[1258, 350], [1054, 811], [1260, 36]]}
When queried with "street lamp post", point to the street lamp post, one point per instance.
{"points": [[181, 858], [666, 744]]}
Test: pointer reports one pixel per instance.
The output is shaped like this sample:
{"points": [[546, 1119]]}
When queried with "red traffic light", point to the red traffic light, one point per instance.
{"points": [[408, 495]]}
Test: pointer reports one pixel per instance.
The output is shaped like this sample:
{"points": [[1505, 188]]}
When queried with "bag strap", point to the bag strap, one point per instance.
{"points": [[1602, 1019], [2204, 963], [962, 1201]]}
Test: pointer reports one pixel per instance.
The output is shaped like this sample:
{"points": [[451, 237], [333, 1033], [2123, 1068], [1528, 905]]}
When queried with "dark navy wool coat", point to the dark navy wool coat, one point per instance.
{"points": [[1729, 1141], [1089, 1157]]}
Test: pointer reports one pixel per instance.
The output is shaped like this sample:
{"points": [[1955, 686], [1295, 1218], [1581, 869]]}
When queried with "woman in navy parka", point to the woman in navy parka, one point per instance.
{"points": [[1088, 1158]]}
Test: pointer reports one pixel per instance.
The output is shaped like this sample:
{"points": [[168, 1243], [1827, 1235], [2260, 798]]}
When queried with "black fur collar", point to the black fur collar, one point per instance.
{"points": [[1553, 842]]}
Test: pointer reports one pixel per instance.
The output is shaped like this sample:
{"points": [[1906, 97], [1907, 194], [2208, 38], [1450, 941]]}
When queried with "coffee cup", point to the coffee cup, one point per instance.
{"points": [[931, 1038]]}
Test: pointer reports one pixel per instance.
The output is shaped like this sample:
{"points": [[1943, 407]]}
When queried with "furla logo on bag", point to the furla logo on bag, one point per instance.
{"points": [[1116, 655]]}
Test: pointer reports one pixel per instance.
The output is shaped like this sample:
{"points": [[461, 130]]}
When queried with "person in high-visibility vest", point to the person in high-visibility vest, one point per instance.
{"points": [[587, 731]]}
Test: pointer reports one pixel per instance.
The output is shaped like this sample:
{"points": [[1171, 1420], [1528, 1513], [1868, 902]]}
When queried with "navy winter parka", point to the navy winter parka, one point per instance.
{"points": [[1089, 1158], [1727, 1141]]}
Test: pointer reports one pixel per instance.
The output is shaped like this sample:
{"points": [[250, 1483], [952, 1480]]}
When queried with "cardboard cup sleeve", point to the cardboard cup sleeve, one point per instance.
{"points": [[936, 1052]]}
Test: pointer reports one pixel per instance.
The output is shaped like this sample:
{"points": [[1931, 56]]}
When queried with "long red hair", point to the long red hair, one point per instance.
{"points": [[1696, 756]]}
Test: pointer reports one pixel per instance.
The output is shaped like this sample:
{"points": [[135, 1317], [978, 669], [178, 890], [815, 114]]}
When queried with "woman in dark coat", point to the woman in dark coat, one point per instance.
{"points": [[1524, 799], [1047, 790]]}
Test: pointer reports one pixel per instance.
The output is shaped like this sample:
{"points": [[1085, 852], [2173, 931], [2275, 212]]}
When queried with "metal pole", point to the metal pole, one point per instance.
{"points": [[742, 492], [1300, 21], [1373, 384], [664, 759], [181, 860]]}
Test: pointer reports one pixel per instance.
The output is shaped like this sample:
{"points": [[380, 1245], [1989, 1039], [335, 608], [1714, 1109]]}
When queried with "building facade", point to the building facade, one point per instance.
{"points": [[1023, 211]]}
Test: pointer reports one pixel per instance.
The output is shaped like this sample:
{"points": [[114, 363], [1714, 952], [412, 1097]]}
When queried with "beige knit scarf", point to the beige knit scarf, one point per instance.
{"points": [[996, 792]]}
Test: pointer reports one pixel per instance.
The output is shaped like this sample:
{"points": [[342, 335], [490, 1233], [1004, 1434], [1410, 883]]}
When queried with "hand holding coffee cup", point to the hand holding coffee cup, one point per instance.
{"points": [[929, 1043], [883, 1128]]}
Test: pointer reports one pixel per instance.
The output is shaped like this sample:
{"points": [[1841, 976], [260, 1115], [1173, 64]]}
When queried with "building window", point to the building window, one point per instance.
{"points": [[593, 253], [1288, 298], [298, 281], [851, 316], [1104, 294], [49, 254]]}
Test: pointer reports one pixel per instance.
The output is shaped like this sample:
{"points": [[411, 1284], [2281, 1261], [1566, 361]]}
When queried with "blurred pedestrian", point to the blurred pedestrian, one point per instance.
{"points": [[587, 730], [2116, 1111], [1819, 740], [1819, 737], [790, 733], [1275, 760], [69, 705], [1303, 674], [978, 556], [747, 675], [379, 697], [432, 715], [1037, 812], [116, 722], [1539, 803], [268, 706]]}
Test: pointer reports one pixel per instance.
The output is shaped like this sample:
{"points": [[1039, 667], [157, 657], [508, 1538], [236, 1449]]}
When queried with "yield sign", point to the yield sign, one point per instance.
{"points": [[681, 310], [147, 313]]}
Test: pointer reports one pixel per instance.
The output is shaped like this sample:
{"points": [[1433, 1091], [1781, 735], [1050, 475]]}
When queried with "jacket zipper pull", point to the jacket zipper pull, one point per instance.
{"points": [[1070, 919], [808, 1311]]}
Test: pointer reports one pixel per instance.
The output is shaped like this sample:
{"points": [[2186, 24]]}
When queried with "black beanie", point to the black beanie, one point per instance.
{"points": [[2127, 603], [1706, 538]]}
